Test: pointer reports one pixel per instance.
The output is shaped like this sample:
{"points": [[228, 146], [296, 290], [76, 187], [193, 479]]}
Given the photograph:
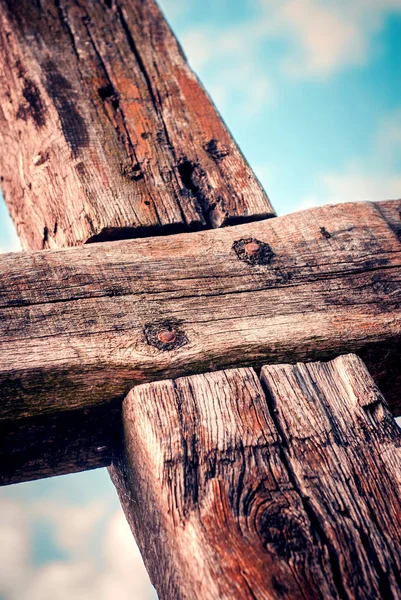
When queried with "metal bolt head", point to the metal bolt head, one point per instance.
{"points": [[252, 248], [253, 251], [167, 337]]}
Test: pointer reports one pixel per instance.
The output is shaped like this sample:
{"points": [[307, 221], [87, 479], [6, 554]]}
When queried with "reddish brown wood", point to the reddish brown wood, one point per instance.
{"points": [[79, 327], [105, 132], [287, 492], [391, 210]]}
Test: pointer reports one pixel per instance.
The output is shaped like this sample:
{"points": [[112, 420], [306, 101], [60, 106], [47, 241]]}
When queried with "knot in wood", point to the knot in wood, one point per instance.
{"points": [[165, 335], [253, 251]]}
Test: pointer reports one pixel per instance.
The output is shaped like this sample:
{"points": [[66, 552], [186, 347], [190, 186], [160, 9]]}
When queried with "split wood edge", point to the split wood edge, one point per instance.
{"points": [[106, 133], [288, 488]]}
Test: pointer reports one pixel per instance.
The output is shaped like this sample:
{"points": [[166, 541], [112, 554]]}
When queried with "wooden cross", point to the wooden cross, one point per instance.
{"points": [[241, 477]]}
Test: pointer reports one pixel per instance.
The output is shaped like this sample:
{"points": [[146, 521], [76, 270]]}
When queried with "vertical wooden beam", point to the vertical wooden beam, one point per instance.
{"points": [[105, 132], [288, 488]]}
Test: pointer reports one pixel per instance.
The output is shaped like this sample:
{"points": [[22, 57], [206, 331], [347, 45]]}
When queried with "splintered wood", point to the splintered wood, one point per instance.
{"points": [[286, 488], [105, 132]]}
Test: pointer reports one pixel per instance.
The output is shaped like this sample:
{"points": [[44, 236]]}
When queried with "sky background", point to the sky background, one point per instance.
{"points": [[311, 92]]}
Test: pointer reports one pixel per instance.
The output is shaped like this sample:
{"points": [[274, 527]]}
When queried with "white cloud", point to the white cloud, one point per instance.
{"points": [[14, 549], [198, 47], [328, 35], [322, 37], [13, 246], [234, 73], [127, 572], [372, 177], [353, 185], [62, 580], [73, 526], [119, 575], [122, 576], [244, 88]]}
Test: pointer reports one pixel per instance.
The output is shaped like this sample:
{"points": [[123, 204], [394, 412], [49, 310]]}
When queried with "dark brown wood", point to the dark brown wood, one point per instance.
{"points": [[287, 492], [105, 132], [54, 444], [79, 327]]}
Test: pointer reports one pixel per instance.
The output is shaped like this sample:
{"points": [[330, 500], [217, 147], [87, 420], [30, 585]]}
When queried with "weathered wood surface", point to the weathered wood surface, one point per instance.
{"points": [[391, 210], [287, 491], [58, 444], [79, 327], [105, 132]]}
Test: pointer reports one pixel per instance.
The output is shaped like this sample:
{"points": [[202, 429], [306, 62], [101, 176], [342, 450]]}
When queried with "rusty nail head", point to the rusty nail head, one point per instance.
{"points": [[252, 248], [167, 337]]}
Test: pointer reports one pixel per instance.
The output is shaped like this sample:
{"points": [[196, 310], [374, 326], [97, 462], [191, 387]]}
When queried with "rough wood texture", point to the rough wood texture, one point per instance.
{"points": [[79, 327], [82, 325], [343, 451], [290, 494], [391, 210], [54, 444], [105, 132]]}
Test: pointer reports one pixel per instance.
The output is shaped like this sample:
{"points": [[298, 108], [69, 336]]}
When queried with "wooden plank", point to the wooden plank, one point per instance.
{"points": [[105, 132], [80, 327], [292, 492], [343, 451], [58, 444]]}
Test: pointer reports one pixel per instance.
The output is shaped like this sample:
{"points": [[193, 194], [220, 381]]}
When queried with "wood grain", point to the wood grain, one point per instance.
{"points": [[80, 327], [287, 492], [58, 444], [105, 132], [391, 210], [343, 452]]}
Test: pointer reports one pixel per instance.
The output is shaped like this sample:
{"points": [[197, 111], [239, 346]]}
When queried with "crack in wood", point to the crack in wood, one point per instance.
{"points": [[118, 139], [251, 479]]}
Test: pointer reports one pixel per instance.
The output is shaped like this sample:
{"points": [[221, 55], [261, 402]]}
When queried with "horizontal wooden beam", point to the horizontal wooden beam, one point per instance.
{"points": [[286, 488], [106, 133], [58, 444], [80, 327]]}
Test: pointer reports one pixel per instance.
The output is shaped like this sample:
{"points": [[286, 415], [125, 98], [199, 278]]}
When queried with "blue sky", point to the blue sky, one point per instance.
{"points": [[311, 92]]}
